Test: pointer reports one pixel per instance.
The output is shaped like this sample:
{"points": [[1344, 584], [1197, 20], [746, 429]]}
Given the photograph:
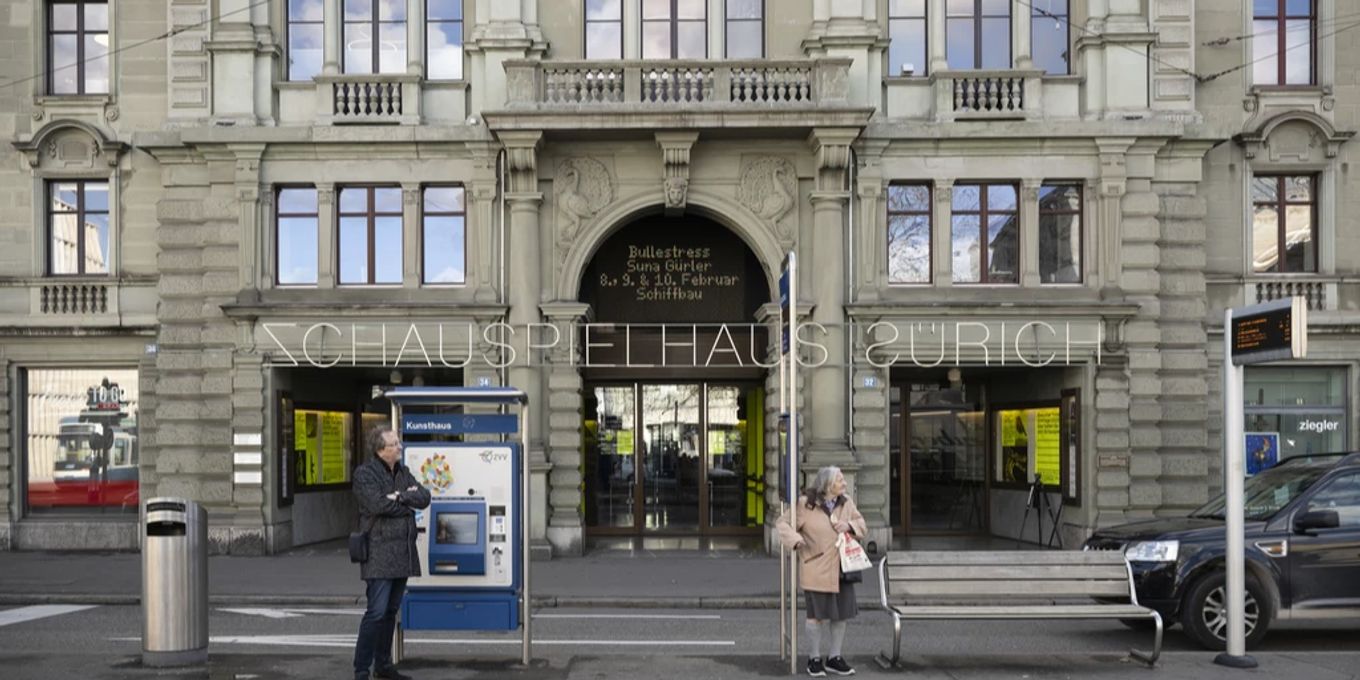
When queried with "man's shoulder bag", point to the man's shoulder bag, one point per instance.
{"points": [[358, 544]]}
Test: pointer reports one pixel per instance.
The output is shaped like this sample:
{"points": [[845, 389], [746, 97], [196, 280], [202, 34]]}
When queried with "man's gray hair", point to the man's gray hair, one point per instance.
{"points": [[375, 441]]}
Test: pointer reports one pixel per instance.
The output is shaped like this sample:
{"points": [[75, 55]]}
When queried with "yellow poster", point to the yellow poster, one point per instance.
{"points": [[624, 443], [1047, 445], [1014, 458], [717, 442], [306, 431], [334, 446]]}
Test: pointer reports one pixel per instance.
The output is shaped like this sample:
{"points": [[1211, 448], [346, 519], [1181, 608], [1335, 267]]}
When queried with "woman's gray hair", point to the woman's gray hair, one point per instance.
{"points": [[821, 484]]}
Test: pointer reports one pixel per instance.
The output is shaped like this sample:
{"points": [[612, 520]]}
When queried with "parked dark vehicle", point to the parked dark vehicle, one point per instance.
{"points": [[1302, 558]]}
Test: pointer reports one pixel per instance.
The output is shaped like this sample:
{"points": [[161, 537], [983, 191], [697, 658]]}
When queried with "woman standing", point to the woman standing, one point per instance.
{"points": [[825, 514]]}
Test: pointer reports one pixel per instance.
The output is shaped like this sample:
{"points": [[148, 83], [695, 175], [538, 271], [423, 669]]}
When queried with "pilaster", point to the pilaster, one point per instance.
{"points": [[565, 526]]}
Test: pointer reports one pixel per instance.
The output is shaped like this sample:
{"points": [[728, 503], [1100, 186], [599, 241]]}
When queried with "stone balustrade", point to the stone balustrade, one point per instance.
{"points": [[988, 94], [751, 84], [73, 298], [1319, 293], [369, 98]]}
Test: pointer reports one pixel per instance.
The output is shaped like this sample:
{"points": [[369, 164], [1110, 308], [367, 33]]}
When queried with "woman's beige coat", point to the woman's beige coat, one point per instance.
{"points": [[819, 569]]}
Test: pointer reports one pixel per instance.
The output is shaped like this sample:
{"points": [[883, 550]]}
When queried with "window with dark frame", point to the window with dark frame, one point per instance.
{"points": [[674, 29], [444, 39], [78, 47], [1284, 44], [1284, 224], [370, 235], [985, 233], [306, 38], [1060, 233], [1050, 36], [375, 37], [296, 228], [604, 29], [443, 235], [978, 34], [907, 34], [909, 223], [77, 227], [745, 29]]}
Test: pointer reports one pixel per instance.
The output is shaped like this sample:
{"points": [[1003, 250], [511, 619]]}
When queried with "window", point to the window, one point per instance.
{"points": [[1284, 220], [1304, 406], [297, 236], [370, 235], [78, 47], [985, 233], [745, 29], [1029, 446], [1342, 496], [674, 29], [907, 35], [909, 233], [1048, 30], [306, 35], [604, 29], [375, 36], [80, 440], [1060, 233], [323, 448], [443, 232], [978, 34], [78, 227], [444, 39], [1283, 44]]}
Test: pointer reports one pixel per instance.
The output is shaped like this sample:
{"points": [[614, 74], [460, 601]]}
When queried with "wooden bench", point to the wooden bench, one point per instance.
{"points": [[920, 585]]}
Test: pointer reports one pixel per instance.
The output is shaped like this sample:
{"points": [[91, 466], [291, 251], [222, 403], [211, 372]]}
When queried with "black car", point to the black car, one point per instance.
{"points": [[1302, 552]]}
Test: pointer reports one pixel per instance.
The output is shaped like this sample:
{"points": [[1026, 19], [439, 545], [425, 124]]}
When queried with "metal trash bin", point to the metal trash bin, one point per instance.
{"points": [[174, 583]]}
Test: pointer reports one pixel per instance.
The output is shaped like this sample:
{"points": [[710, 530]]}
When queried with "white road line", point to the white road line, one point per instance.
{"points": [[676, 617], [10, 617], [348, 641], [289, 613]]}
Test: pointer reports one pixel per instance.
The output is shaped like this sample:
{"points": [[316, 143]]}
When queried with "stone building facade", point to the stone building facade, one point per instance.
{"points": [[1018, 225]]}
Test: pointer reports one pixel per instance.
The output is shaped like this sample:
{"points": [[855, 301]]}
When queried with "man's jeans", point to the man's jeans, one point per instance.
{"points": [[378, 625]]}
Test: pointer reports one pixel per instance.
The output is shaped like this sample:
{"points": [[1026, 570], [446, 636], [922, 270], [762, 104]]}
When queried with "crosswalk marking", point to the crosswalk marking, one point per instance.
{"points": [[10, 617]]}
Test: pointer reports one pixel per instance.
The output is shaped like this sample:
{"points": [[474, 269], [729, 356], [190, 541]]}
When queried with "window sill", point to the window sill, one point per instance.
{"points": [[1290, 89], [73, 99]]}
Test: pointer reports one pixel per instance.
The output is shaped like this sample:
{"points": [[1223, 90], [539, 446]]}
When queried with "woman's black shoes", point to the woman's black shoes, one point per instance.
{"points": [[815, 668], [837, 665]]}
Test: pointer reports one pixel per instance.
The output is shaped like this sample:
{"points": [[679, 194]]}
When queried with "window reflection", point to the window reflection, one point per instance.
{"points": [[81, 441], [78, 47]]}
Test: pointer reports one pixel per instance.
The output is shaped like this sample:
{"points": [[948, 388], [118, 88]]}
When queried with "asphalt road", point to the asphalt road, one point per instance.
{"points": [[249, 643]]}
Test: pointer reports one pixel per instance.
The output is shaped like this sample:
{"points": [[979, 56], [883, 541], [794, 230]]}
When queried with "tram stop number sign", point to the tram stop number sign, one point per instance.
{"points": [[1270, 332]]}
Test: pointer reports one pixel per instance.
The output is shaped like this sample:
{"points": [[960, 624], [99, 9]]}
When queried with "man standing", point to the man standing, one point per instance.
{"points": [[388, 497]]}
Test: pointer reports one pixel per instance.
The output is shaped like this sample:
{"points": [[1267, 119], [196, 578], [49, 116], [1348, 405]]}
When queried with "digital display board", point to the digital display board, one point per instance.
{"points": [[1269, 332]]}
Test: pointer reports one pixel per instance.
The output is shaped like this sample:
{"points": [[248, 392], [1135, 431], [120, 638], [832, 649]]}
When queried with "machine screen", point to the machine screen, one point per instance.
{"points": [[456, 528]]}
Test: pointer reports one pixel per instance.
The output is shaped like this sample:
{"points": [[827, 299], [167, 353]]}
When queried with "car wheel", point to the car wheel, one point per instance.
{"points": [[1204, 614]]}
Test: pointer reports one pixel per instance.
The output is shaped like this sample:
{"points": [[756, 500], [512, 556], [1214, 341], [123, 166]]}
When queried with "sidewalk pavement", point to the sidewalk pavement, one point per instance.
{"points": [[323, 575]]}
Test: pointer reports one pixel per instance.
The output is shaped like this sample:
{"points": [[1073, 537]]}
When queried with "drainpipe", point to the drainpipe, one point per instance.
{"points": [[852, 180]]}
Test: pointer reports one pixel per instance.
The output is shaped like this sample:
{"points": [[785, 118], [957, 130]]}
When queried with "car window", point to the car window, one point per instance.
{"points": [[1269, 492], [1341, 495]]}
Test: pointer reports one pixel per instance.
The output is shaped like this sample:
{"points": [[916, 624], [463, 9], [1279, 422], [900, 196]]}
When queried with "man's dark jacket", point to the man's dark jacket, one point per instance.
{"points": [[392, 540]]}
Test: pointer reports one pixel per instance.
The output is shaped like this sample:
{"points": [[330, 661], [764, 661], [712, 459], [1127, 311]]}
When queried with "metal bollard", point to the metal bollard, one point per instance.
{"points": [[174, 583]]}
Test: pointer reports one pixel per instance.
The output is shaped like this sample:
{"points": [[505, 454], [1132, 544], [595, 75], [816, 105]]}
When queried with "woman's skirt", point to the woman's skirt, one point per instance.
{"points": [[832, 606]]}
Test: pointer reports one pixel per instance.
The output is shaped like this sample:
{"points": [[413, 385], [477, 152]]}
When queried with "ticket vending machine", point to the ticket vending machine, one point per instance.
{"points": [[472, 540]]}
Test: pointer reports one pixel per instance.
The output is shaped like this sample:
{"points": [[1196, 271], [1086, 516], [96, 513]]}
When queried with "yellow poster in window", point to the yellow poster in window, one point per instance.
{"points": [[306, 444], [1047, 445], [717, 442], [624, 443], [334, 447]]}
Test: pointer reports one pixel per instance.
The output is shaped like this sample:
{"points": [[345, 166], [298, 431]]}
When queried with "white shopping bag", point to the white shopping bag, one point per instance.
{"points": [[852, 554]]}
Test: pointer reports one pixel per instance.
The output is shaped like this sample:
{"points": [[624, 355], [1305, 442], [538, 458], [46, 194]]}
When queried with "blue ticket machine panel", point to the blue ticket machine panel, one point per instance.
{"points": [[468, 538]]}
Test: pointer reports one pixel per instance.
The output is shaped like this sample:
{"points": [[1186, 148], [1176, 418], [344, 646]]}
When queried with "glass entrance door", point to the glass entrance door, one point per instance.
{"points": [[684, 458]]}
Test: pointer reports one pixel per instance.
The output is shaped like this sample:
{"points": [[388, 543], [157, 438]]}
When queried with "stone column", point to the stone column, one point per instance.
{"points": [[565, 529], [1022, 52], [939, 60], [1029, 232], [410, 235], [525, 295], [415, 38], [941, 234], [330, 47], [824, 264]]}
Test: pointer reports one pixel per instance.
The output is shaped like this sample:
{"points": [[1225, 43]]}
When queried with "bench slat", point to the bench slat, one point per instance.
{"points": [[1010, 589], [1003, 558], [1013, 572], [1083, 611]]}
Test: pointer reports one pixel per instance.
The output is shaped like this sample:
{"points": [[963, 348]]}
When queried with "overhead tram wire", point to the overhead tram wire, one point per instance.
{"points": [[1232, 69], [164, 36], [1225, 40], [1146, 55]]}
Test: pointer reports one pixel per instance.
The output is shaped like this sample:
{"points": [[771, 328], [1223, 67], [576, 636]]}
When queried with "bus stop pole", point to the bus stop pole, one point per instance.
{"points": [[1233, 473]]}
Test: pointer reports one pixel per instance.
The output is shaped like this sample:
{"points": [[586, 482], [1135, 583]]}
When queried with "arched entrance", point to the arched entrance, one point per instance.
{"points": [[674, 381]]}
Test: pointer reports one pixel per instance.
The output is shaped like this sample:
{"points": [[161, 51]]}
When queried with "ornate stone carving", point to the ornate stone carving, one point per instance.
{"points": [[410, 196], [325, 195], [583, 187], [677, 192], [1029, 192], [111, 113], [769, 187], [944, 194]]}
